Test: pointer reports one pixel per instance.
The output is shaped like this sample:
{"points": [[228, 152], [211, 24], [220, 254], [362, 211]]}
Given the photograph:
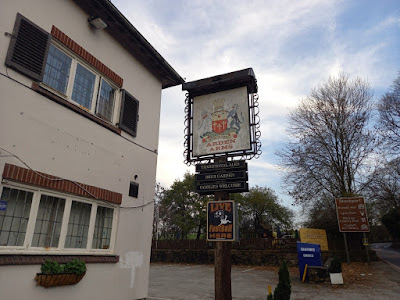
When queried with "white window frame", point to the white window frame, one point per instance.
{"points": [[37, 193], [96, 89]]}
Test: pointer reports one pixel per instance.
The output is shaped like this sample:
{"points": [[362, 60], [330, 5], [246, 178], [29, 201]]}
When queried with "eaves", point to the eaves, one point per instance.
{"points": [[130, 38]]}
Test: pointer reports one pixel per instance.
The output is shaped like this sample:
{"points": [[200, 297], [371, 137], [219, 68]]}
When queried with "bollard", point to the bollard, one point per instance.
{"points": [[269, 293]]}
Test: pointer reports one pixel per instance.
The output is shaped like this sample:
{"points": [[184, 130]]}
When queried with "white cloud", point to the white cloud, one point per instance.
{"points": [[291, 45], [390, 21], [263, 165], [170, 162]]}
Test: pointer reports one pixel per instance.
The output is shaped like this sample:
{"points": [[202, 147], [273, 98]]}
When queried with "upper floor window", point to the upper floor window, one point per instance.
{"points": [[78, 83], [72, 73], [56, 73]]}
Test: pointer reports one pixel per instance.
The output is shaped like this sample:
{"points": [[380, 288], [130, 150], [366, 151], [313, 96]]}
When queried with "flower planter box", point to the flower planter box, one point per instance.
{"points": [[336, 278], [50, 280]]}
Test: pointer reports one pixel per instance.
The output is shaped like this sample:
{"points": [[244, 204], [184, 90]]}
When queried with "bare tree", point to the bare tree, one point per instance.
{"points": [[330, 141], [384, 192], [384, 187], [389, 113]]}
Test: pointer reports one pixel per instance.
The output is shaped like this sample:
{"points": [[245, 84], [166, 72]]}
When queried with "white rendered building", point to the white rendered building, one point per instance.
{"points": [[79, 124]]}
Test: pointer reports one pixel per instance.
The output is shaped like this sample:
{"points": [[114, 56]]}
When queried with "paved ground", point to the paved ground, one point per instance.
{"points": [[389, 255], [191, 282]]}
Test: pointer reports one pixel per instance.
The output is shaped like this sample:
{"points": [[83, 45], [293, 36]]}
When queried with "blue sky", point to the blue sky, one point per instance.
{"points": [[292, 46]]}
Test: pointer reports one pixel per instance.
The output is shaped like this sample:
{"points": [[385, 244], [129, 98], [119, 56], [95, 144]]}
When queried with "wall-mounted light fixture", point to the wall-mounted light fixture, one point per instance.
{"points": [[97, 23]]}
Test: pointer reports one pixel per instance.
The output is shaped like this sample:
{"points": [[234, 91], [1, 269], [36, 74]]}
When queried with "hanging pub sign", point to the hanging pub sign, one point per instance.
{"points": [[222, 221], [229, 187], [221, 122], [222, 117], [229, 176]]}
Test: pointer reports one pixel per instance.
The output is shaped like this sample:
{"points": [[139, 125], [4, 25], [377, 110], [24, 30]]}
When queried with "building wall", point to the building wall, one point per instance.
{"points": [[51, 138]]}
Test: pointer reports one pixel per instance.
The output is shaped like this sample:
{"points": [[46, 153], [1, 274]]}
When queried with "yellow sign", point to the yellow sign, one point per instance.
{"points": [[314, 236]]}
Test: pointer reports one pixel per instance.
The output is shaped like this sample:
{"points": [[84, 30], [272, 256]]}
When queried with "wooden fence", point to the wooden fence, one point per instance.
{"points": [[245, 244], [335, 243]]}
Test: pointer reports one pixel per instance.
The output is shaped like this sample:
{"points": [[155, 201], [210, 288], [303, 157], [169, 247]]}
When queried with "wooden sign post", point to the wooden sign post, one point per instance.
{"points": [[222, 262], [222, 122]]}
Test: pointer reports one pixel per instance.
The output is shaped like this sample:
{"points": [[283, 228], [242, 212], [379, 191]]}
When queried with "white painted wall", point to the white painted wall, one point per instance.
{"points": [[53, 139]]}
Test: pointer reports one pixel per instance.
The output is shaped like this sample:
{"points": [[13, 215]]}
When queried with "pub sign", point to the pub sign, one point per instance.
{"points": [[221, 122], [222, 221], [222, 117]]}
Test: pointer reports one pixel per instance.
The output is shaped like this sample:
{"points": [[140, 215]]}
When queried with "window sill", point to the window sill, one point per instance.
{"points": [[36, 87], [19, 259]]}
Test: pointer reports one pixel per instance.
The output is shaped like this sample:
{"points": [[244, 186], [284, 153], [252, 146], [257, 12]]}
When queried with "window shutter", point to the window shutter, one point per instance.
{"points": [[28, 48], [129, 113]]}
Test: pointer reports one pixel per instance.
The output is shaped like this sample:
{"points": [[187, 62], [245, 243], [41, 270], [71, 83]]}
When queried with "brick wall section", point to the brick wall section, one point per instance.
{"points": [[62, 259], [28, 176], [89, 58]]}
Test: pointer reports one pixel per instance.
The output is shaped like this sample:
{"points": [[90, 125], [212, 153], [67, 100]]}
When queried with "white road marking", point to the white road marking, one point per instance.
{"points": [[248, 270]]}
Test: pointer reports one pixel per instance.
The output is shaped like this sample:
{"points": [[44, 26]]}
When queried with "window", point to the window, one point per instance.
{"points": [[78, 225], [48, 222], [102, 230], [83, 87], [79, 83], [75, 77], [14, 215], [31, 220], [106, 100], [56, 73]]}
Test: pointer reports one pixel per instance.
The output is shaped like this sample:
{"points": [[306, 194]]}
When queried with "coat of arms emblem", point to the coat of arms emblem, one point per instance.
{"points": [[221, 123], [219, 117]]}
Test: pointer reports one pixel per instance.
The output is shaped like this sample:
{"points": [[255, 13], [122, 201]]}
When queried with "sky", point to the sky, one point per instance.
{"points": [[292, 46]]}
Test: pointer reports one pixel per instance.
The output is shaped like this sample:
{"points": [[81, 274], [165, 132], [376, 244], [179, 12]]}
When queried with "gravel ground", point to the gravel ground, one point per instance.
{"points": [[361, 281]]}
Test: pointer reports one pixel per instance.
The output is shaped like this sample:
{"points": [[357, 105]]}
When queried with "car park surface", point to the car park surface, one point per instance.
{"points": [[179, 281]]}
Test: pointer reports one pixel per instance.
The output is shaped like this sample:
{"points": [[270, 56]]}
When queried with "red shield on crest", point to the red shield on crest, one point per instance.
{"points": [[219, 126]]}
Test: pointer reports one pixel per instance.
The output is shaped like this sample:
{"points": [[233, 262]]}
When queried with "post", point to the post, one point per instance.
{"points": [[222, 259], [223, 263], [366, 246], [347, 249]]}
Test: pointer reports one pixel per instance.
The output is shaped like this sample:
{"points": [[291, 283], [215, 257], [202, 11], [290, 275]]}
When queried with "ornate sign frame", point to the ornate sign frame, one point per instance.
{"points": [[222, 118]]}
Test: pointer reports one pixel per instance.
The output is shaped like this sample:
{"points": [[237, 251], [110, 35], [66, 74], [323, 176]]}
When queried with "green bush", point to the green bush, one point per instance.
{"points": [[76, 266], [336, 266], [51, 267], [283, 289]]}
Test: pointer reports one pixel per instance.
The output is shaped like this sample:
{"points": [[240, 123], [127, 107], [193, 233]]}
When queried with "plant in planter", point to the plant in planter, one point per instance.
{"points": [[55, 274], [51, 267], [283, 289], [76, 266], [335, 271]]}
